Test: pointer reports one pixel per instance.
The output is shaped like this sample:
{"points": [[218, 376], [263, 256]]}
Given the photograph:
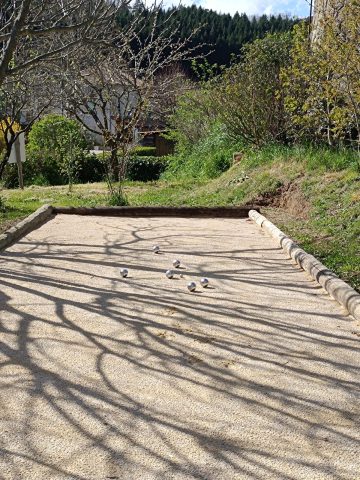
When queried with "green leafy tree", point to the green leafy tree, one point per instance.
{"points": [[321, 83], [341, 44]]}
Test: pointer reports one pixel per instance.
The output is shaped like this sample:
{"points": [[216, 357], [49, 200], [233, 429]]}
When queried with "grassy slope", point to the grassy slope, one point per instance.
{"points": [[328, 204]]}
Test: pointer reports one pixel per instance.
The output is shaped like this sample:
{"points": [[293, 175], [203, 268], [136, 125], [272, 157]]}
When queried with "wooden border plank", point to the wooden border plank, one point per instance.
{"points": [[217, 212]]}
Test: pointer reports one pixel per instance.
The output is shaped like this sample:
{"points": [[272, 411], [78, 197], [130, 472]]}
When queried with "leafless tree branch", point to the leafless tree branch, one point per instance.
{"points": [[46, 30]]}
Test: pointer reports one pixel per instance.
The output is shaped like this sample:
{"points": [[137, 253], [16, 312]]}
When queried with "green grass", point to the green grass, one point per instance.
{"points": [[321, 210], [331, 231], [19, 203]]}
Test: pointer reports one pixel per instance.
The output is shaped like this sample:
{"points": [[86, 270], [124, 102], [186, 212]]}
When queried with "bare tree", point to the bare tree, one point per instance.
{"points": [[23, 99], [45, 30], [34, 35], [169, 85], [116, 88]]}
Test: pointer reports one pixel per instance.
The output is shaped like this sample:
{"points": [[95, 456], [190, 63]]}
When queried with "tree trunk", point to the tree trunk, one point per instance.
{"points": [[5, 159]]}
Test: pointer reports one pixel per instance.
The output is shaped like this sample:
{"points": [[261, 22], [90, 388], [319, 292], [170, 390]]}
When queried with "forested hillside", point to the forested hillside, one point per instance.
{"points": [[221, 34]]}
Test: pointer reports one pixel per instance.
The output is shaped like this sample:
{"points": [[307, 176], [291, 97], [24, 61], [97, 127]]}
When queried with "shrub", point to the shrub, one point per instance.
{"points": [[10, 176], [91, 169], [242, 106], [249, 99], [56, 150], [142, 151], [145, 169]]}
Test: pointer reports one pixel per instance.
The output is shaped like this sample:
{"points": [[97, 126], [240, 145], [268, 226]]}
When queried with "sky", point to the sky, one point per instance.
{"points": [[299, 8]]}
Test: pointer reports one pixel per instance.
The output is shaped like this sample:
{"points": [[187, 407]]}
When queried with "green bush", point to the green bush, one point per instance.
{"points": [[140, 168], [91, 169], [141, 151], [145, 169], [249, 99], [56, 150], [34, 174]]}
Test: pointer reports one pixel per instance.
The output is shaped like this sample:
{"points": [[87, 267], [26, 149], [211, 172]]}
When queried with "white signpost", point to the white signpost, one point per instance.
{"points": [[18, 155]]}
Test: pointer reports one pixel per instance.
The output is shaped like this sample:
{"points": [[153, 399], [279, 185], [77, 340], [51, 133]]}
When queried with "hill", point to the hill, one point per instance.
{"points": [[221, 35]]}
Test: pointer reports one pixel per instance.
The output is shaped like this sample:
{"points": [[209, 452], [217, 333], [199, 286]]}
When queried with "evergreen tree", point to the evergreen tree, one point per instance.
{"points": [[221, 35]]}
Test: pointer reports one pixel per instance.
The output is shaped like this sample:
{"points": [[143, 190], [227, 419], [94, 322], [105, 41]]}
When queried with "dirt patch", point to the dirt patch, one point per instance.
{"points": [[288, 197]]}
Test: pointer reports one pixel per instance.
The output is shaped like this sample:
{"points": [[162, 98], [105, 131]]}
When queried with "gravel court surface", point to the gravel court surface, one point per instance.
{"points": [[256, 377]]}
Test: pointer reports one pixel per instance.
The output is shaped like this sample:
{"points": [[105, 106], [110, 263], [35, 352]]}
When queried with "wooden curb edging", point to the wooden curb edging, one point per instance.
{"points": [[205, 212], [33, 221], [337, 288], [44, 213]]}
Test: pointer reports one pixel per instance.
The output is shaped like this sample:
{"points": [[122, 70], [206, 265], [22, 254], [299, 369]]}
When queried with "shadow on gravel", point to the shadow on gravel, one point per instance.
{"points": [[145, 381]]}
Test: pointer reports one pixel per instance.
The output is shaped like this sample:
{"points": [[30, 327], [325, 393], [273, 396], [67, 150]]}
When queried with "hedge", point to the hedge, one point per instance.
{"points": [[145, 151], [146, 169], [91, 169]]}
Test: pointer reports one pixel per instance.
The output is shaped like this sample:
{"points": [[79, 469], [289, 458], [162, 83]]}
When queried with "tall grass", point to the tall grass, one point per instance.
{"points": [[212, 155], [205, 160], [311, 156]]}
